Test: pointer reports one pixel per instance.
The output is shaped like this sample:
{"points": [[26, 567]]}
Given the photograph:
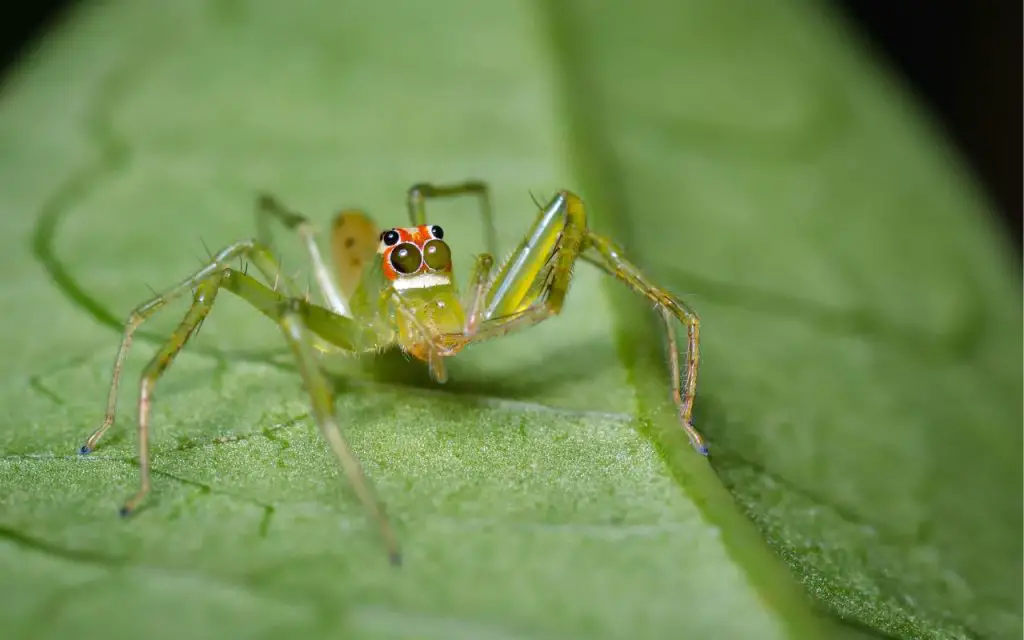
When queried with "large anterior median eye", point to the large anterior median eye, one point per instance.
{"points": [[406, 258], [437, 255]]}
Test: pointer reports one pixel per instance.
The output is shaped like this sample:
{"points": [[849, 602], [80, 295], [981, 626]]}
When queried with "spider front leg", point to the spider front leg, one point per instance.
{"points": [[532, 284], [305, 327]]}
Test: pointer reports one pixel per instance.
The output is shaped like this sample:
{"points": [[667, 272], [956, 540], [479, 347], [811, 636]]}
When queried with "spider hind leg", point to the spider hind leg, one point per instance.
{"points": [[602, 253]]}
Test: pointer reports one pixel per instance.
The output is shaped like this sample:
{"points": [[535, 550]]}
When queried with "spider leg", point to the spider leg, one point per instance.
{"points": [[247, 248], [206, 293], [474, 303], [293, 321], [531, 287], [303, 326], [419, 193], [602, 253], [532, 282], [270, 208]]}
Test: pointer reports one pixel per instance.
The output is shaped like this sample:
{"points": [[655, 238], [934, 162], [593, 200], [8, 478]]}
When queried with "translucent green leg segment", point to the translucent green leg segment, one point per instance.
{"points": [[293, 325], [297, 319], [604, 254], [269, 208], [474, 304], [532, 283], [206, 293], [531, 286], [258, 254], [419, 193]]}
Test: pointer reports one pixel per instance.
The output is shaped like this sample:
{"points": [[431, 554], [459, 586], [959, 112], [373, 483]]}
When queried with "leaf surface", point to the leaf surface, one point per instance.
{"points": [[861, 381]]}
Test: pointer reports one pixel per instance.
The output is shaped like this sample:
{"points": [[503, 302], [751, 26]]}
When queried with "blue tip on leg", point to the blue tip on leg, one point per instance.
{"points": [[84, 450], [702, 449]]}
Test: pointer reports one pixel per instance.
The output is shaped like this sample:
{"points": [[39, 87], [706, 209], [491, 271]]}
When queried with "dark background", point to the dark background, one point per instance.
{"points": [[963, 60]]}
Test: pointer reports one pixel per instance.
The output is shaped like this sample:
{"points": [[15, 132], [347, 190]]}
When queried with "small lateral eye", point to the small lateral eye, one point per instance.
{"points": [[437, 232], [405, 258], [437, 255], [390, 237]]}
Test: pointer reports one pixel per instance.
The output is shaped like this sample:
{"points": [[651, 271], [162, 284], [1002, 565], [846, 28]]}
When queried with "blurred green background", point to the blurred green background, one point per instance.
{"points": [[861, 381]]}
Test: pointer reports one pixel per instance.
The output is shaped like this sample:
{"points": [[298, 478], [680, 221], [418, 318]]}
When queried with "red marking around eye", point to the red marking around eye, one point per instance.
{"points": [[419, 236], [389, 271]]}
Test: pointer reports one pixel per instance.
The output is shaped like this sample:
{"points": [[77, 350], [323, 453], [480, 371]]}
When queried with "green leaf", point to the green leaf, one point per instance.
{"points": [[861, 381]]}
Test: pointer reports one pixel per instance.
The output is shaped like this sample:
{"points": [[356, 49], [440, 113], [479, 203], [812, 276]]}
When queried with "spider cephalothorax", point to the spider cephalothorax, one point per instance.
{"points": [[415, 257], [417, 263]]}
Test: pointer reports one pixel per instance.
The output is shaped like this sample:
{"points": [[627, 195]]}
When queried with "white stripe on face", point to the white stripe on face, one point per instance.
{"points": [[422, 281]]}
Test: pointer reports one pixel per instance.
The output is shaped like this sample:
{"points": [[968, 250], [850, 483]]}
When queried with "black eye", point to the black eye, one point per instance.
{"points": [[437, 232], [406, 258], [437, 255], [390, 237]]}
